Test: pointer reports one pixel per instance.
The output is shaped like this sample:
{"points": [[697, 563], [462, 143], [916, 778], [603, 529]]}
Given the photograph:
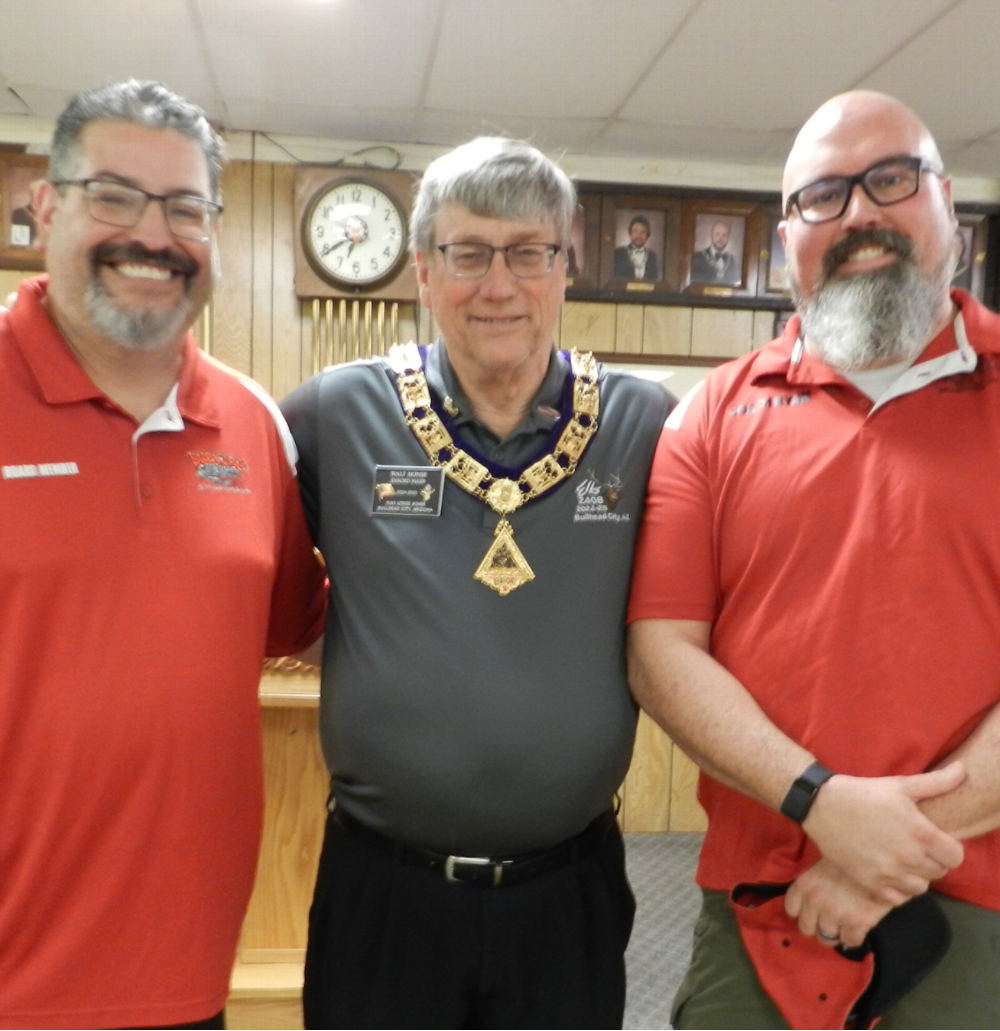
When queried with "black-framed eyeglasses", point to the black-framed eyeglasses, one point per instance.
{"points": [[473, 260], [889, 182], [115, 204]]}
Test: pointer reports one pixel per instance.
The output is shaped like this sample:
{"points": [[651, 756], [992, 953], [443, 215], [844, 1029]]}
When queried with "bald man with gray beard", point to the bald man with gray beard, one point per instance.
{"points": [[824, 643]]}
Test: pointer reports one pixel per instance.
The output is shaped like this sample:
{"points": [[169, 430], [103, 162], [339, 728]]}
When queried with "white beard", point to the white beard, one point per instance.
{"points": [[878, 318]]}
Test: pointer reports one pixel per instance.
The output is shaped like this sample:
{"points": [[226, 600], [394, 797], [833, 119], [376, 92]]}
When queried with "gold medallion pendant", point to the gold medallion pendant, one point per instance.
{"points": [[504, 568]]}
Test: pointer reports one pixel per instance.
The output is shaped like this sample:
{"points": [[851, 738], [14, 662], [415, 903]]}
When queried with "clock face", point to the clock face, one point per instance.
{"points": [[354, 233]]}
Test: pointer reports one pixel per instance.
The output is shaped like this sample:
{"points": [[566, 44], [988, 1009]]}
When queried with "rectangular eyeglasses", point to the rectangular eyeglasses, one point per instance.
{"points": [[889, 182], [116, 204], [473, 260]]}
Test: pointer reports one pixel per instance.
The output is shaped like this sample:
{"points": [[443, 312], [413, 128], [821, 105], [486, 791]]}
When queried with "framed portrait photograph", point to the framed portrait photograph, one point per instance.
{"points": [[17, 173], [583, 252], [721, 248], [972, 235], [639, 244], [773, 272]]}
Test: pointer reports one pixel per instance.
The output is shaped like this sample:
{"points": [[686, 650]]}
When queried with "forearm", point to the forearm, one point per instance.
{"points": [[708, 712], [973, 808], [871, 827], [825, 898]]}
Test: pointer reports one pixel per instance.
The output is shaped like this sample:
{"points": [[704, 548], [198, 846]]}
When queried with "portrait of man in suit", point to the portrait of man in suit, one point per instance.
{"points": [[638, 258], [717, 263]]}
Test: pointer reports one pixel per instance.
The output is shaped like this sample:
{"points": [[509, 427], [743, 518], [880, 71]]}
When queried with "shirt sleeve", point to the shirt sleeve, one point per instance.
{"points": [[300, 411], [298, 599], [674, 573]]}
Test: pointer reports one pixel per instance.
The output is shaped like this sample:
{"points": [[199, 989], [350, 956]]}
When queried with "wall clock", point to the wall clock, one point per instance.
{"points": [[352, 239], [354, 233]]}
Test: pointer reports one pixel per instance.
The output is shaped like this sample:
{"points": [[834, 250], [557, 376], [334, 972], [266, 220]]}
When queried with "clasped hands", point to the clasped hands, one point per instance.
{"points": [[878, 851]]}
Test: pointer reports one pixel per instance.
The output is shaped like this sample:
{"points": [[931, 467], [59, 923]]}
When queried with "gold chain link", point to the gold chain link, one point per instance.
{"points": [[502, 495]]}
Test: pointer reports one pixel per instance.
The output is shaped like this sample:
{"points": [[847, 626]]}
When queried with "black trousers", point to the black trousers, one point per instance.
{"points": [[398, 946]]}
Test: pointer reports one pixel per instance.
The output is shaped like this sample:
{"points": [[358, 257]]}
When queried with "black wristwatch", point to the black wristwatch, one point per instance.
{"points": [[802, 793]]}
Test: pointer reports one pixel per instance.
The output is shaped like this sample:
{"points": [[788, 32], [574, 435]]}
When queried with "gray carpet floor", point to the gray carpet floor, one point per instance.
{"points": [[661, 869]]}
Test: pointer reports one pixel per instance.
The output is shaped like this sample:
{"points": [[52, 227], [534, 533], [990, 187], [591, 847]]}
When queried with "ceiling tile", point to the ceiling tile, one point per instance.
{"points": [[73, 46], [558, 59], [694, 142], [12, 104], [49, 103], [980, 159], [449, 128], [43, 102], [767, 64], [322, 120], [950, 75], [735, 81], [369, 53]]}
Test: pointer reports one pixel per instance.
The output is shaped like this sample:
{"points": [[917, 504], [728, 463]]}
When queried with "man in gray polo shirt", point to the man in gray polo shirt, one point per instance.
{"points": [[477, 504]]}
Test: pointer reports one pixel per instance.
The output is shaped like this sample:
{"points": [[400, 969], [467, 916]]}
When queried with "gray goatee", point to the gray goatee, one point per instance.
{"points": [[877, 318], [138, 329], [135, 330]]}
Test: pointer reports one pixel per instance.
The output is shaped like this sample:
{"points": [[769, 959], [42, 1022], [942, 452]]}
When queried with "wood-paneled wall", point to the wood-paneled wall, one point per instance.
{"points": [[663, 332]]}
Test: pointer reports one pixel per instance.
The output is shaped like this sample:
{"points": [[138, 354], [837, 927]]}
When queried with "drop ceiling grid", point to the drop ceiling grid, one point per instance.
{"points": [[725, 81], [766, 64]]}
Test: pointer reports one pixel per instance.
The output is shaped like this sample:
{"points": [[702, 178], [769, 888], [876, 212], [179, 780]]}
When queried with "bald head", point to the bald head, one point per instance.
{"points": [[843, 131], [870, 280]]}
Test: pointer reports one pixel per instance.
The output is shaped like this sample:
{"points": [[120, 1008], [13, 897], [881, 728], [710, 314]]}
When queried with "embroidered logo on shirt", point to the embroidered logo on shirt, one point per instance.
{"points": [[596, 500], [219, 471], [29, 471], [777, 401]]}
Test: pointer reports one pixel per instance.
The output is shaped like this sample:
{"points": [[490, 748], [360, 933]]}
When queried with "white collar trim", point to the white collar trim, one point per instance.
{"points": [[165, 419], [962, 360]]}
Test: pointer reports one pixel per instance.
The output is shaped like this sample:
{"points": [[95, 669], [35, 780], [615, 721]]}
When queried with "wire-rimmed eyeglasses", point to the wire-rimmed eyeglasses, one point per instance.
{"points": [[473, 260], [115, 204], [888, 182]]}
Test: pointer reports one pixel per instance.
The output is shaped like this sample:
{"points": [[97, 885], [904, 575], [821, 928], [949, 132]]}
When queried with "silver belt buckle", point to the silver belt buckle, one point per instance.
{"points": [[449, 868]]}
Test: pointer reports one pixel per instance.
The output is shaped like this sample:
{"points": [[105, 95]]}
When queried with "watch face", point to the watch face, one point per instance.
{"points": [[354, 233]]}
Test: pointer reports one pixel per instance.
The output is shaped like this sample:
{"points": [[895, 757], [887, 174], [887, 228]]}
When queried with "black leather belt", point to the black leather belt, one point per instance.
{"points": [[479, 870]]}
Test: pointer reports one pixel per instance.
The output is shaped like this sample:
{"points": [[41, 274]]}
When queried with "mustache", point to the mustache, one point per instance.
{"points": [[841, 252], [135, 253]]}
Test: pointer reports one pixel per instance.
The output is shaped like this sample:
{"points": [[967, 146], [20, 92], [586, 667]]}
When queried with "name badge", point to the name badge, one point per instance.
{"points": [[408, 490]]}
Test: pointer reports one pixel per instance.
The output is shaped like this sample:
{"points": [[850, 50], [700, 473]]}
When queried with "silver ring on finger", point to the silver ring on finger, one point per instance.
{"points": [[830, 939]]}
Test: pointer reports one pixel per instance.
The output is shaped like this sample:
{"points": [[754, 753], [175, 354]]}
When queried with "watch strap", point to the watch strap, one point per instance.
{"points": [[803, 791]]}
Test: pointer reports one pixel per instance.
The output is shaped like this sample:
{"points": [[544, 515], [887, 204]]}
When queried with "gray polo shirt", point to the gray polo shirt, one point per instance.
{"points": [[452, 717]]}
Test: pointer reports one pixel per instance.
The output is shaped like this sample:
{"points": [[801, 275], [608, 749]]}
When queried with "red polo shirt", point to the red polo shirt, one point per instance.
{"points": [[144, 573], [848, 556]]}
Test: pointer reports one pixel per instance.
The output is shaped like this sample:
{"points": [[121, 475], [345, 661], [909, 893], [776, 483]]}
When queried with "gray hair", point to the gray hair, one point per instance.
{"points": [[494, 177], [149, 104]]}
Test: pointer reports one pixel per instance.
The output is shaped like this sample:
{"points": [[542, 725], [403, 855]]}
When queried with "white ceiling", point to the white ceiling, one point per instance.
{"points": [[724, 81]]}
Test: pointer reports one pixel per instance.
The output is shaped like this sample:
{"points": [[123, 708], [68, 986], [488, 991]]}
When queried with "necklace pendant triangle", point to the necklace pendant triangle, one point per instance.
{"points": [[504, 568]]}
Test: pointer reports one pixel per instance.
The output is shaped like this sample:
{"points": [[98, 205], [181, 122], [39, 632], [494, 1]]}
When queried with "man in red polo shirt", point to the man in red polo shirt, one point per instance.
{"points": [[153, 549], [815, 609]]}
